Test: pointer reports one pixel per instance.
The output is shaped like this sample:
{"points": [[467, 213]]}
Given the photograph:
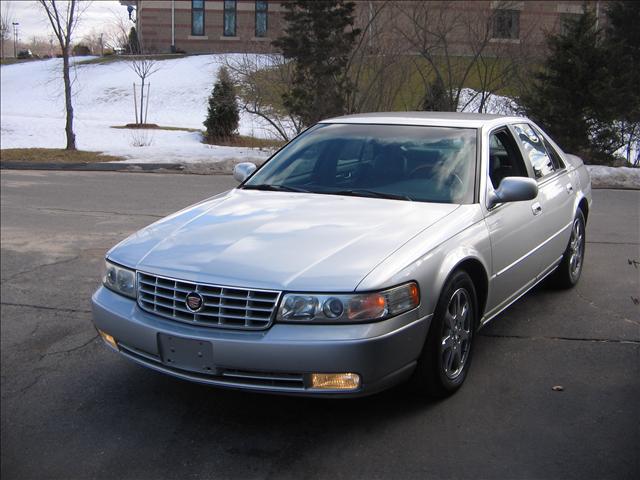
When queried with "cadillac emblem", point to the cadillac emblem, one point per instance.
{"points": [[194, 302]]}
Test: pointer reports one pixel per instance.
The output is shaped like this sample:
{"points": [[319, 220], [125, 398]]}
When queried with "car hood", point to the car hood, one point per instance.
{"points": [[278, 240]]}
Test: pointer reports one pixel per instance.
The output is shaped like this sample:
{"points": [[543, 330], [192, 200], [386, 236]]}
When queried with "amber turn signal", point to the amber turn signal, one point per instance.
{"points": [[109, 340], [335, 381]]}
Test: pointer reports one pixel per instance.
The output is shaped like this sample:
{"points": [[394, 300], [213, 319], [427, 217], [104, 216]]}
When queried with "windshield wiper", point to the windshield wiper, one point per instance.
{"points": [[371, 193], [274, 188]]}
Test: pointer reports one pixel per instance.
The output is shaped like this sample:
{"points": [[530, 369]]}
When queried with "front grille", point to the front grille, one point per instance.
{"points": [[226, 307]]}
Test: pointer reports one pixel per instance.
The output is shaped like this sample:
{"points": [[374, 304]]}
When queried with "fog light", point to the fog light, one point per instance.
{"points": [[108, 339], [335, 381]]}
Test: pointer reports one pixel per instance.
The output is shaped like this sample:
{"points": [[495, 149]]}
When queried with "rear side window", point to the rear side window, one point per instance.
{"points": [[555, 156], [533, 145]]}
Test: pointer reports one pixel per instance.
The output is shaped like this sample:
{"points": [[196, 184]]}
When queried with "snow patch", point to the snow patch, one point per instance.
{"points": [[33, 114], [614, 177], [470, 101]]}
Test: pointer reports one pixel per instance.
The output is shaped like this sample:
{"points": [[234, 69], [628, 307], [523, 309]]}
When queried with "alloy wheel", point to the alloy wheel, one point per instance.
{"points": [[456, 335], [576, 248]]}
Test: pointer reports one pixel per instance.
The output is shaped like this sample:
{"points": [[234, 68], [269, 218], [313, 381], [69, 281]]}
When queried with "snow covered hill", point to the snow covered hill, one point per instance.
{"points": [[32, 110]]}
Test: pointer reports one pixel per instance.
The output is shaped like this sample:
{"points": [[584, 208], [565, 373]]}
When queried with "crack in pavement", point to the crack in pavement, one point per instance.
{"points": [[37, 267], [69, 350], [104, 212], [612, 243], [42, 307], [597, 307], [42, 356], [25, 388], [570, 339]]}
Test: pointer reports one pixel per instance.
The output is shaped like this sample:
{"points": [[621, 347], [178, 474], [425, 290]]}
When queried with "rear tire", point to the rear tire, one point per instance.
{"points": [[568, 272], [446, 355]]}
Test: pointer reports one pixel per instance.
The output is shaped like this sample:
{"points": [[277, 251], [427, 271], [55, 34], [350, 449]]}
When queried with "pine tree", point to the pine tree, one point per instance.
{"points": [[223, 114], [318, 38], [134, 43], [574, 97], [623, 44], [436, 98]]}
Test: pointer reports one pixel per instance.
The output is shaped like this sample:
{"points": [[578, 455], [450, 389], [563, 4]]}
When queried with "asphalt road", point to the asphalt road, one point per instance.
{"points": [[73, 409]]}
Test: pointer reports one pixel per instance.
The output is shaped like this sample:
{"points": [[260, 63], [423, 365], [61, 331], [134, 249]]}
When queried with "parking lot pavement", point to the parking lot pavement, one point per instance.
{"points": [[73, 409]]}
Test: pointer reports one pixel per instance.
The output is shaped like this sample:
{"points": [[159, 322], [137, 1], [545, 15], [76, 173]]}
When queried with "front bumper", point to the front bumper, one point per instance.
{"points": [[279, 359]]}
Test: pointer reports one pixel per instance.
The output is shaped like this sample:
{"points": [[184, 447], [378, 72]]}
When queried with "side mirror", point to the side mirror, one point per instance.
{"points": [[513, 189], [242, 171]]}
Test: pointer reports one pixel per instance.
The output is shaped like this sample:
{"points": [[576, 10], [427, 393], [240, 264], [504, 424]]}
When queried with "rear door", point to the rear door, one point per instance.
{"points": [[555, 193], [513, 227]]}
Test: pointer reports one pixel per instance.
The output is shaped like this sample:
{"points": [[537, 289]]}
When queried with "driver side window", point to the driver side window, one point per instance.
{"points": [[504, 158]]}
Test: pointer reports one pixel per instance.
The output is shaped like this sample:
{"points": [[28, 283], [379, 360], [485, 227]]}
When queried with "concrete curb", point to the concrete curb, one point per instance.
{"points": [[95, 167], [186, 168], [218, 168]]}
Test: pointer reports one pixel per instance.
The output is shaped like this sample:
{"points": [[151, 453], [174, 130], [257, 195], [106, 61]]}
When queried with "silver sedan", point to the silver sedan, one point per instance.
{"points": [[366, 252]]}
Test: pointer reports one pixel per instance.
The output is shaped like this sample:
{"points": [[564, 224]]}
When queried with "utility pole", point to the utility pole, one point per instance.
{"points": [[15, 39], [101, 46]]}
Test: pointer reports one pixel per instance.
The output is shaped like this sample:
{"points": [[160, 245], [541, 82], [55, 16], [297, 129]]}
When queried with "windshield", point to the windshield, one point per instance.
{"points": [[419, 163]]}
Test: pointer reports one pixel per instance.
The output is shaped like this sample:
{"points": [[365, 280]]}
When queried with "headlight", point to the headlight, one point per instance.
{"points": [[119, 279], [359, 307]]}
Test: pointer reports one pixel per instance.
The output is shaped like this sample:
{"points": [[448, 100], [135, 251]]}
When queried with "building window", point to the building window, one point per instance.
{"points": [[506, 24], [230, 11], [197, 17], [261, 18]]}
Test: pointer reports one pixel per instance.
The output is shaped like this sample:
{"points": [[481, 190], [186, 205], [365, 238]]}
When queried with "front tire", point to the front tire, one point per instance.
{"points": [[568, 272], [446, 355]]}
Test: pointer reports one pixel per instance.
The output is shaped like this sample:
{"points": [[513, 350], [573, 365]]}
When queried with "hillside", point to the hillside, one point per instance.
{"points": [[32, 109]]}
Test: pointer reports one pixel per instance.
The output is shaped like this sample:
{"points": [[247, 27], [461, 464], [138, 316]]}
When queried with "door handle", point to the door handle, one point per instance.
{"points": [[569, 188], [536, 208]]}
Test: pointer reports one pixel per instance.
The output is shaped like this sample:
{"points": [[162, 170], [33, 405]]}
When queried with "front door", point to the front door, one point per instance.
{"points": [[513, 227]]}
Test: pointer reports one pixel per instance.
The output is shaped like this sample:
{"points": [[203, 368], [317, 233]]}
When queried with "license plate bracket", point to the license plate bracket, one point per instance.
{"points": [[186, 353]]}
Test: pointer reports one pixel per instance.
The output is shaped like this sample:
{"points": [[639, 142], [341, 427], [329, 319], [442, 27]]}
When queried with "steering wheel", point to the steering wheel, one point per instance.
{"points": [[418, 168], [454, 176]]}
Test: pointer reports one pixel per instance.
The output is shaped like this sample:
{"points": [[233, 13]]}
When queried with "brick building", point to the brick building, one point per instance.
{"points": [[216, 26]]}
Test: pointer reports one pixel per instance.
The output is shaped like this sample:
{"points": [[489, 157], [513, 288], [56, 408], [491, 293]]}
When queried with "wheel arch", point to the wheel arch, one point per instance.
{"points": [[583, 205], [476, 270], [473, 266]]}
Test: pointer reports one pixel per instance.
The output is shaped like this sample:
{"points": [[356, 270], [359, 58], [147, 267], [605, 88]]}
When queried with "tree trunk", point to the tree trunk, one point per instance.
{"points": [[71, 138], [141, 100]]}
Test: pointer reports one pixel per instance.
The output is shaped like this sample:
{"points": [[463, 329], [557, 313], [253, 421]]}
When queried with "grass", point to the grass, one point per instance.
{"points": [[236, 141], [248, 142], [12, 61], [54, 155], [153, 126]]}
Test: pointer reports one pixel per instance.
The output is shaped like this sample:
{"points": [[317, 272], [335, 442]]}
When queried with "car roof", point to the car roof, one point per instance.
{"points": [[435, 119]]}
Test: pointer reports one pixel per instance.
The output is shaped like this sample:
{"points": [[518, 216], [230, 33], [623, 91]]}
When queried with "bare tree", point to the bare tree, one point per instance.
{"points": [[376, 65], [116, 33], [64, 20], [499, 63], [453, 47], [262, 80], [6, 19], [94, 39], [430, 31], [143, 66]]}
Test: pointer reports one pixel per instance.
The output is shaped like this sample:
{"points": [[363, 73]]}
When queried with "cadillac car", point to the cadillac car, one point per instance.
{"points": [[366, 252]]}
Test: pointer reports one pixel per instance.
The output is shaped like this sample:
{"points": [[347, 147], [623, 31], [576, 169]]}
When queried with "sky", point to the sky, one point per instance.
{"points": [[34, 22]]}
